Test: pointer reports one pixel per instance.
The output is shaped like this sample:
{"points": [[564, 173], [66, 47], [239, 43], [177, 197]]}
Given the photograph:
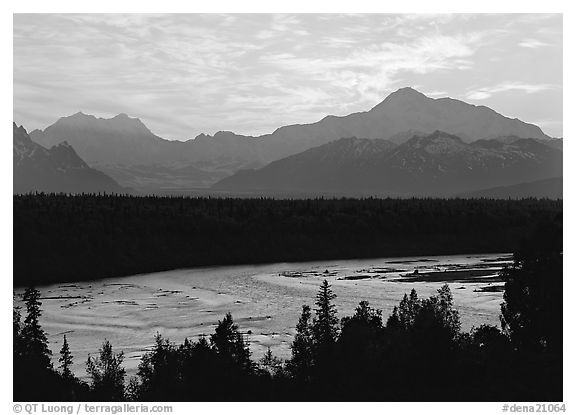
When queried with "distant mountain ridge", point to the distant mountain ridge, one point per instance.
{"points": [[120, 139], [546, 188], [58, 169], [407, 110], [439, 164], [127, 150]]}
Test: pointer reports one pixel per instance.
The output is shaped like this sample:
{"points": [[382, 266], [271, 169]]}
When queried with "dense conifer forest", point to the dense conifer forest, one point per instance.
{"points": [[72, 238]]}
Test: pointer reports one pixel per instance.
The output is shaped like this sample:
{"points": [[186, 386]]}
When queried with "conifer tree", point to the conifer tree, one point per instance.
{"points": [[158, 370], [201, 344], [66, 360], [325, 325], [17, 343], [531, 314], [393, 322], [33, 336], [408, 309], [230, 344], [302, 357], [365, 317], [270, 363], [449, 315], [107, 374]]}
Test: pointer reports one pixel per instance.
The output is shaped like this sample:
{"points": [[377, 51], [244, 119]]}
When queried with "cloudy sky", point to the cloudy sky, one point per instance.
{"points": [[184, 74]]}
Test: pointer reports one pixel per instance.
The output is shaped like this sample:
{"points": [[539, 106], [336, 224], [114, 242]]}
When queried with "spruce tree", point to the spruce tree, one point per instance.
{"points": [[408, 309], [107, 374], [446, 310], [230, 344], [270, 363], [531, 314], [365, 317], [393, 322], [17, 343], [33, 336], [66, 360], [302, 358], [158, 370], [325, 325]]}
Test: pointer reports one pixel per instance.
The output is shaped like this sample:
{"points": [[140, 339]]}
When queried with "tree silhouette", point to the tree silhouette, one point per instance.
{"points": [[437, 321], [532, 310], [132, 390], [270, 363], [490, 341], [202, 370], [325, 324], [359, 347], [301, 362], [365, 322], [66, 360], [158, 370], [229, 343], [17, 342], [408, 309], [107, 374], [446, 311], [33, 336]]}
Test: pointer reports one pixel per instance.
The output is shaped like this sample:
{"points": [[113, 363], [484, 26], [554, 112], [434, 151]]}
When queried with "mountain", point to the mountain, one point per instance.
{"points": [[116, 140], [409, 111], [547, 188], [557, 143], [127, 150], [126, 140], [438, 164], [58, 169]]}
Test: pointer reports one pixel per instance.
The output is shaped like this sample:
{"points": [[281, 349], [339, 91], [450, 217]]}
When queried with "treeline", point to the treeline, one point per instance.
{"points": [[72, 238], [419, 353]]}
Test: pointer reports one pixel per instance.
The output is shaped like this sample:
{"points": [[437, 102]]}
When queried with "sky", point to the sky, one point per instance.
{"points": [[186, 74]]}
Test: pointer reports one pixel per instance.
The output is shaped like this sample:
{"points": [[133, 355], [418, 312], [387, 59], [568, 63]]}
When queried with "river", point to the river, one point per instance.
{"points": [[265, 300]]}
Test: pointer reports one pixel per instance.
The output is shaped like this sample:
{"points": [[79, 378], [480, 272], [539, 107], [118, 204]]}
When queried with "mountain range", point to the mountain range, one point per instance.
{"points": [[392, 150], [439, 164], [127, 150], [58, 169]]}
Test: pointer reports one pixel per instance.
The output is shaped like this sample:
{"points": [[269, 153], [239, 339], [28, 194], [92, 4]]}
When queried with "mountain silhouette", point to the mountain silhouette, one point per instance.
{"points": [[407, 110], [438, 164], [127, 150], [58, 169]]}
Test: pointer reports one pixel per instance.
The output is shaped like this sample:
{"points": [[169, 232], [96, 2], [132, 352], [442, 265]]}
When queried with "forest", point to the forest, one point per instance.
{"points": [[417, 353], [62, 238]]}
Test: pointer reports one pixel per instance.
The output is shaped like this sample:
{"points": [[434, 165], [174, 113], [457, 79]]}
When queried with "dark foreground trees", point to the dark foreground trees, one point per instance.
{"points": [[419, 353], [35, 378], [107, 374]]}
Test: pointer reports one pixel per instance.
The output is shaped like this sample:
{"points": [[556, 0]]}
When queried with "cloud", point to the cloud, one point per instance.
{"points": [[435, 94], [484, 93], [478, 95], [369, 72], [532, 43], [190, 73]]}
